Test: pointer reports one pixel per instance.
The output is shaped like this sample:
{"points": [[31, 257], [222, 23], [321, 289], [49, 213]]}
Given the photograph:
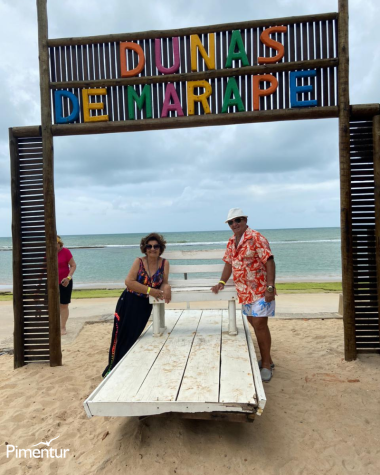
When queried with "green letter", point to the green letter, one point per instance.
{"points": [[232, 88], [241, 55], [133, 97]]}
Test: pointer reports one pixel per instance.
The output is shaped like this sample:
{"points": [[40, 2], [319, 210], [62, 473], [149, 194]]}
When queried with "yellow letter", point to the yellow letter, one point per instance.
{"points": [[87, 105], [191, 97], [195, 44]]}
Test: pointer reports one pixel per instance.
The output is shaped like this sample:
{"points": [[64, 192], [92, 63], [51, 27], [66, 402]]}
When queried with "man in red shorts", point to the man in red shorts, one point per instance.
{"points": [[249, 258]]}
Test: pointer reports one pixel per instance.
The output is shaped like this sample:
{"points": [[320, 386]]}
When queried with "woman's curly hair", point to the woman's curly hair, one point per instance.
{"points": [[153, 237]]}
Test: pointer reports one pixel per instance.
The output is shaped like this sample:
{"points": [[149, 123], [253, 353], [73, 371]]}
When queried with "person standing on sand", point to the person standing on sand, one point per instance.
{"points": [[66, 269], [148, 276], [249, 258]]}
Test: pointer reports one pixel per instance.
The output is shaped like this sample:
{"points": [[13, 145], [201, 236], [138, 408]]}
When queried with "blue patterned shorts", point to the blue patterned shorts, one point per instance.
{"points": [[260, 308]]}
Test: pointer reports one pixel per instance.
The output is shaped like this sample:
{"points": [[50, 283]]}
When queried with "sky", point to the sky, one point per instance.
{"points": [[282, 174]]}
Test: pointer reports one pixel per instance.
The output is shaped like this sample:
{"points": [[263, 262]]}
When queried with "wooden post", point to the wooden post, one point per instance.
{"points": [[345, 184], [18, 334], [48, 174], [376, 165]]}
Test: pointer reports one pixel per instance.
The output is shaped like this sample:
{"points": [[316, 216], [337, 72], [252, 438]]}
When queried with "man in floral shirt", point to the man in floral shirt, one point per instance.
{"points": [[249, 258]]}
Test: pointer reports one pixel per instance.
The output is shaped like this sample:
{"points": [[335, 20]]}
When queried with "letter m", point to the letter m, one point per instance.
{"points": [[145, 98]]}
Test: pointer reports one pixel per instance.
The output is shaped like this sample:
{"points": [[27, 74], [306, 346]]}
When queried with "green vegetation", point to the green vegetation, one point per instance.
{"points": [[285, 288]]}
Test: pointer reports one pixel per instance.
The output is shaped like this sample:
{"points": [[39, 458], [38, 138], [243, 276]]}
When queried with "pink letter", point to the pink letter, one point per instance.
{"points": [[159, 66], [171, 93]]}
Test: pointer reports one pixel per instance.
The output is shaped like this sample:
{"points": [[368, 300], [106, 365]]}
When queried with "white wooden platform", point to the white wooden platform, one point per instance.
{"points": [[194, 367]]}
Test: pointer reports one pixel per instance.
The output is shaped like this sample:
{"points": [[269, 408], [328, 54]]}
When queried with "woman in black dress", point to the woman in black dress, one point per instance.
{"points": [[148, 276]]}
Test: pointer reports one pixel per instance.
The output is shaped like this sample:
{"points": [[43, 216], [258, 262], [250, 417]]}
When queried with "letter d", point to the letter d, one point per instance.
{"points": [[59, 119]]}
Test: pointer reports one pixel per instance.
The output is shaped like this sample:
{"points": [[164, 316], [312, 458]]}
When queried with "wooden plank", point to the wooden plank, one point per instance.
{"points": [[48, 158], [161, 407], [198, 294], [208, 75], [192, 269], [123, 383], [164, 379], [201, 378], [206, 120], [191, 255], [236, 377], [199, 283]]}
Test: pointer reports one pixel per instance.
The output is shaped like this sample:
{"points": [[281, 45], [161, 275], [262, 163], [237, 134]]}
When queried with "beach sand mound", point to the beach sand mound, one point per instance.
{"points": [[322, 415]]}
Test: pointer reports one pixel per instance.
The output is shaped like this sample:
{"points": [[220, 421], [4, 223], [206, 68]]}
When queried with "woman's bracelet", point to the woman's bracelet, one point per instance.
{"points": [[69, 277], [221, 282], [148, 291]]}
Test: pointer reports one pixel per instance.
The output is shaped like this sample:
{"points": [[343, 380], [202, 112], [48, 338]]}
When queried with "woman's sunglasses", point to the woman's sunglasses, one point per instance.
{"points": [[152, 246], [236, 220]]}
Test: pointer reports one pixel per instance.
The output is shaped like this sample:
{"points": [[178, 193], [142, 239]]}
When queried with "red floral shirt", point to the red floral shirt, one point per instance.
{"points": [[248, 265]]}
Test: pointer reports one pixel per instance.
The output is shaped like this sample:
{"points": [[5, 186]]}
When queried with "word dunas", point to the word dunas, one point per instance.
{"points": [[198, 91]]}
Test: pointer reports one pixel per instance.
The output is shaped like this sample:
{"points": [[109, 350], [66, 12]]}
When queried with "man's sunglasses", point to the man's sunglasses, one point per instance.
{"points": [[152, 246], [236, 220]]}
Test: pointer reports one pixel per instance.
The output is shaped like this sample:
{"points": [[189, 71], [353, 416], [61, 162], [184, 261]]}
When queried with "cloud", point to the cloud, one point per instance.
{"points": [[285, 174]]}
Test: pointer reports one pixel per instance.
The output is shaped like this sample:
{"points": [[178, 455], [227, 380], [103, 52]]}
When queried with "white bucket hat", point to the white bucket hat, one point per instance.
{"points": [[235, 213]]}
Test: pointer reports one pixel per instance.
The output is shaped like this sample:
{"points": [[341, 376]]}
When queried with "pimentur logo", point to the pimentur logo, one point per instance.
{"points": [[37, 453]]}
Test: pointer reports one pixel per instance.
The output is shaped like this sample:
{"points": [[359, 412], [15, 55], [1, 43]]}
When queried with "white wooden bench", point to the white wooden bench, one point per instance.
{"points": [[195, 289]]}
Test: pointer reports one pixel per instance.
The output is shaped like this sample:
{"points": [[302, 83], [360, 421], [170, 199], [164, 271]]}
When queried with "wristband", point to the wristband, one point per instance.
{"points": [[148, 291], [69, 277], [221, 282]]}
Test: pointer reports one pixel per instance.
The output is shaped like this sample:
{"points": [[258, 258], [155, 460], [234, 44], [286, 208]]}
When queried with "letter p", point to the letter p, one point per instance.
{"points": [[10, 449]]}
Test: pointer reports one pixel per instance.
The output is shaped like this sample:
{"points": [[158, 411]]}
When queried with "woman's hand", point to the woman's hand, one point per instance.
{"points": [[65, 282], [157, 293], [167, 292]]}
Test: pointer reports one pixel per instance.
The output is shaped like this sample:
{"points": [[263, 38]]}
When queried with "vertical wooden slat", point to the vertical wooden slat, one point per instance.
{"points": [[345, 185], [18, 335], [376, 165], [48, 175]]}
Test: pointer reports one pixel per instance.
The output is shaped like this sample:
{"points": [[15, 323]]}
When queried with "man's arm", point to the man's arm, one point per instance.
{"points": [[271, 277], [226, 274]]}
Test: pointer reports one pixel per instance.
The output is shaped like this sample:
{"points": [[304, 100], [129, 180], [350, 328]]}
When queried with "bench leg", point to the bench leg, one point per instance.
{"points": [[232, 329], [162, 317], [156, 319]]}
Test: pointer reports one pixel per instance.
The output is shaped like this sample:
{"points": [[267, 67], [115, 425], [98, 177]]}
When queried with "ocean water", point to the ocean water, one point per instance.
{"points": [[311, 254]]}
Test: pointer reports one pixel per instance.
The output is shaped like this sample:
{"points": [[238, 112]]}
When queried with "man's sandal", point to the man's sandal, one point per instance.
{"points": [[266, 375]]}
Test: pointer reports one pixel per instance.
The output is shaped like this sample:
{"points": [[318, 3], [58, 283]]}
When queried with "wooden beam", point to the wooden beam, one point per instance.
{"points": [[197, 30], [208, 416], [27, 131], [345, 185], [18, 313], [376, 165], [364, 111], [206, 120], [209, 74], [48, 178]]}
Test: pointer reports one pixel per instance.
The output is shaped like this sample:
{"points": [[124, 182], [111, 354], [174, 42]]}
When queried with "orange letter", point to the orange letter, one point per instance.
{"points": [[123, 59], [267, 40], [87, 105], [195, 45], [191, 97], [257, 92]]}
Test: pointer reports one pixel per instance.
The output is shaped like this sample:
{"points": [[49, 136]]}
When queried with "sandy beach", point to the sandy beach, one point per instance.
{"points": [[322, 414]]}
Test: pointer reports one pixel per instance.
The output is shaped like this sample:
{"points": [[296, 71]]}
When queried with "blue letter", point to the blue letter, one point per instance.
{"points": [[59, 119], [294, 89]]}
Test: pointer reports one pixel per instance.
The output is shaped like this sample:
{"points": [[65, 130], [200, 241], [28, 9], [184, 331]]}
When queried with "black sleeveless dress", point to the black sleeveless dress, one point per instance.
{"points": [[131, 315]]}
